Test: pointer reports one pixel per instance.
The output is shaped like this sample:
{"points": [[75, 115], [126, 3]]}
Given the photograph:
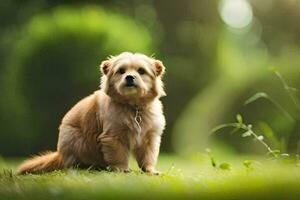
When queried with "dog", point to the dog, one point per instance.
{"points": [[125, 115]]}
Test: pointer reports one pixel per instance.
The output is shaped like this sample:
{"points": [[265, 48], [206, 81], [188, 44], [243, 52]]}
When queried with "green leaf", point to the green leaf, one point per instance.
{"points": [[225, 166], [274, 152], [239, 118], [256, 97], [246, 134], [249, 163], [222, 126], [269, 133]]}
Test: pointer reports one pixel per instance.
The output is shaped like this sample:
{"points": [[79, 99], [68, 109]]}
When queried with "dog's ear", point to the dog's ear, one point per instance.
{"points": [[105, 66], [159, 68]]}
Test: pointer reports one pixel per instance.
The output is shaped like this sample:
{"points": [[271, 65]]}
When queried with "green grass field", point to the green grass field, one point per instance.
{"points": [[182, 178]]}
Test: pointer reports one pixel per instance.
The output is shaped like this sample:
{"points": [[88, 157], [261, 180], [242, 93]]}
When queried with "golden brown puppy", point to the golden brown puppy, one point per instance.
{"points": [[124, 116]]}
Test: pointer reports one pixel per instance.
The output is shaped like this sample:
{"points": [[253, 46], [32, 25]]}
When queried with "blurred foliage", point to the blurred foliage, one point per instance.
{"points": [[54, 64], [244, 59], [214, 64]]}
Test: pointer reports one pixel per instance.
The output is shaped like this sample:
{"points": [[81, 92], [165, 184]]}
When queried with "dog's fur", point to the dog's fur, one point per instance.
{"points": [[102, 129]]}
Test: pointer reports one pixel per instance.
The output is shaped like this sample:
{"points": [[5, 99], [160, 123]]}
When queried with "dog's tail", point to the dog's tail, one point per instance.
{"points": [[46, 162]]}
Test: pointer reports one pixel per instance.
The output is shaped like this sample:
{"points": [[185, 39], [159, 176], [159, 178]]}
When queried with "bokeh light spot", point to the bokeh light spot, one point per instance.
{"points": [[236, 13]]}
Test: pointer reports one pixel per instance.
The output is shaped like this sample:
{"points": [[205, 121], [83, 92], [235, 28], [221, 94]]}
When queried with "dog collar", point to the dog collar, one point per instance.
{"points": [[138, 119]]}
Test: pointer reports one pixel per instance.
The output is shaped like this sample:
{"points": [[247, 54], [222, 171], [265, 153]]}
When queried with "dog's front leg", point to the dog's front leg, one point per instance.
{"points": [[115, 152], [146, 153]]}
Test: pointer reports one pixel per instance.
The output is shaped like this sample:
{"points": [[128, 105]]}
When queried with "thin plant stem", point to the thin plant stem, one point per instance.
{"points": [[282, 109], [288, 89], [275, 103]]}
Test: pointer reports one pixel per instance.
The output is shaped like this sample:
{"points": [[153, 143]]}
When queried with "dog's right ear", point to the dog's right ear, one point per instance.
{"points": [[105, 67]]}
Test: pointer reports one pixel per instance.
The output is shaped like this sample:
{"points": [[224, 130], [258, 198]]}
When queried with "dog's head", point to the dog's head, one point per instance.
{"points": [[132, 77]]}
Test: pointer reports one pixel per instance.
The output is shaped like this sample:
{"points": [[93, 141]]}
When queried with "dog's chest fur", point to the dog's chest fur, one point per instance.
{"points": [[135, 124]]}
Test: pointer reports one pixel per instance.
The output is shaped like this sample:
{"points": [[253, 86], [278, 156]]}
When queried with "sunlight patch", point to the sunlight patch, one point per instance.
{"points": [[236, 13]]}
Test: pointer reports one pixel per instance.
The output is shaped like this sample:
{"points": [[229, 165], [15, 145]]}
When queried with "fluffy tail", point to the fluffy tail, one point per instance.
{"points": [[45, 162]]}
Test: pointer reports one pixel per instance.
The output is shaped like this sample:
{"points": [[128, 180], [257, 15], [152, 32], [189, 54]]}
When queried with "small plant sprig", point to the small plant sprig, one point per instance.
{"points": [[223, 166], [247, 131], [291, 93]]}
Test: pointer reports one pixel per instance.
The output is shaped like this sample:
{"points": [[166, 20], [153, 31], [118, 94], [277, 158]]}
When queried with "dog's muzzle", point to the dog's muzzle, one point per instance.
{"points": [[130, 81]]}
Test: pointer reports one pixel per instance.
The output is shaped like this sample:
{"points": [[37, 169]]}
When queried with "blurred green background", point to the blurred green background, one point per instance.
{"points": [[217, 54]]}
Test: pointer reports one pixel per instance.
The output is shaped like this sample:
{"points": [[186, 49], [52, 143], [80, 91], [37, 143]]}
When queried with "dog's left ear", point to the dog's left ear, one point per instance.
{"points": [[159, 68], [105, 67]]}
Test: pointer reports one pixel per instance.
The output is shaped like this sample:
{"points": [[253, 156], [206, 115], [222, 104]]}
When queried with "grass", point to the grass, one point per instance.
{"points": [[182, 178]]}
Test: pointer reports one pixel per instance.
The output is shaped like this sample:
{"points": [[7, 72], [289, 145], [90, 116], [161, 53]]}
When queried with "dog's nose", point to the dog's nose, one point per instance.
{"points": [[129, 78]]}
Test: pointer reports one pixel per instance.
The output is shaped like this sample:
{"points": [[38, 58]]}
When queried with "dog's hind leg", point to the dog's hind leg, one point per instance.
{"points": [[79, 148]]}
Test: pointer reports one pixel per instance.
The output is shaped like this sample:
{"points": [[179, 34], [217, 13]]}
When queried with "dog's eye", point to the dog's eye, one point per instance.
{"points": [[141, 71], [121, 71]]}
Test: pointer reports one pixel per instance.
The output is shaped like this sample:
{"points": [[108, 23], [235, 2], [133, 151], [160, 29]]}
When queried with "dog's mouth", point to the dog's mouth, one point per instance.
{"points": [[129, 89], [130, 85]]}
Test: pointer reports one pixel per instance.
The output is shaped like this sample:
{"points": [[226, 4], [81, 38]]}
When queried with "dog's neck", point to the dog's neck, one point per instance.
{"points": [[131, 105]]}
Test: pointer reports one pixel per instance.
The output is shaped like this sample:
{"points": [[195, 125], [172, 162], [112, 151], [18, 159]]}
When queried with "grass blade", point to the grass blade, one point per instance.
{"points": [[269, 133], [222, 126], [255, 97], [287, 88], [263, 95]]}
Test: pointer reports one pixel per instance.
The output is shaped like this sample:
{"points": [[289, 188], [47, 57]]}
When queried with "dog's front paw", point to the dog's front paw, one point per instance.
{"points": [[155, 172], [120, 169], [127, 170], [151, 171]]}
